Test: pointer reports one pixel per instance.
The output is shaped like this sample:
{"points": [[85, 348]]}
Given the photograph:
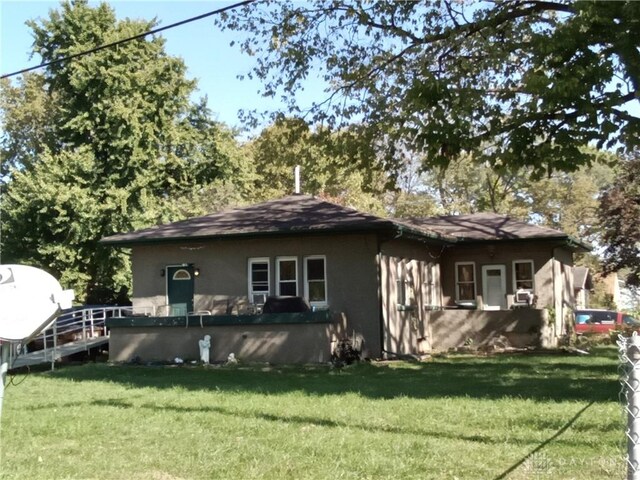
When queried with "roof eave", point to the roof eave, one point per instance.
{"points": [[565, 240], [392, 227], [418, 234], [577, 244], [240, 235]]}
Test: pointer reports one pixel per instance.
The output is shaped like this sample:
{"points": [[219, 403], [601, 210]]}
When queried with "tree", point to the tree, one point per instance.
{"points": [[51, 215], [104, 143], [619, 214], [567, 201], [517, 83], [25, 111], [570, 201], [338, 165], [469, 187]]}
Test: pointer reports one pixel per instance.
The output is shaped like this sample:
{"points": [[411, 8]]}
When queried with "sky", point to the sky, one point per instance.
{"points": [[204, 48]]}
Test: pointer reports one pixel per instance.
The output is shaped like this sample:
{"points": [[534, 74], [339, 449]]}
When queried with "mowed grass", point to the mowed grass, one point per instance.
{"points": [[464, 417]]}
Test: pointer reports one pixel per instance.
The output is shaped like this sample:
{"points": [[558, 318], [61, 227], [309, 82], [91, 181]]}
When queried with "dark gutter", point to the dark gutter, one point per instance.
{"points": [[570, 242], [380, 304], [574, 243], [413, 233]]}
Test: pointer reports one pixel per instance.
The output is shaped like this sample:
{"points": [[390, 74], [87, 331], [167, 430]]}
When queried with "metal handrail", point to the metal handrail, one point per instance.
{"points": [[74, 325], [79, 325]]}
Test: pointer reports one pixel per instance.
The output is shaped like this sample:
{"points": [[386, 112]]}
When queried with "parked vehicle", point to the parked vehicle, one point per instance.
{"points": [[602, 321]]}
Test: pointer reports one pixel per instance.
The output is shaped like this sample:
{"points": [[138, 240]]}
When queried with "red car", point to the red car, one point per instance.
{"points": [[602, 321]]}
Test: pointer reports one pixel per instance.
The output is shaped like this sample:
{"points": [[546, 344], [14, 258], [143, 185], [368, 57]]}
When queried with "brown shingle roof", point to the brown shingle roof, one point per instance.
{"points": [[484, 226], [292, 214], [304, 214]]}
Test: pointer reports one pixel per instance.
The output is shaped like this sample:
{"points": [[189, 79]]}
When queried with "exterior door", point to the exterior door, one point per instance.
{"points": [[494, 287], [180, 288]]}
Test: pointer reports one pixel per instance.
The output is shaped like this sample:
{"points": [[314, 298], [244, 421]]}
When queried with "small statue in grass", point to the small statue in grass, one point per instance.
{"points": [[231, 359], [205, 346]]}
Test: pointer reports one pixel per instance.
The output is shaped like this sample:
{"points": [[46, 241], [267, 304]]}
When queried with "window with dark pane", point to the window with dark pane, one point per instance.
{"points": [[287, 277], [524, 275], [315, 280]]}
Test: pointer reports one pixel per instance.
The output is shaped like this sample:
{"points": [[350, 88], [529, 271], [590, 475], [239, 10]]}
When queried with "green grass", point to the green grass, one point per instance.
{"points": [[512, 417]]}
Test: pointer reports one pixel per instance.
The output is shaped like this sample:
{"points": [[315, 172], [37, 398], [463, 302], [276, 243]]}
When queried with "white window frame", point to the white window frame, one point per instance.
{"points": [[278, 281], [533, 275], [325, 302], [184, 275], [475, 282], [252, 261]]}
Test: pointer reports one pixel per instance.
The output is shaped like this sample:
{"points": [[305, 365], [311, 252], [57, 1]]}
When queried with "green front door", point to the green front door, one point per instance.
{"points": [[180, 289]]}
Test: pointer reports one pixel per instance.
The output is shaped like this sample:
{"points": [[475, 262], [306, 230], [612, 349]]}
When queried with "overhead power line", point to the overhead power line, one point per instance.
{"points": [[125, 40]]}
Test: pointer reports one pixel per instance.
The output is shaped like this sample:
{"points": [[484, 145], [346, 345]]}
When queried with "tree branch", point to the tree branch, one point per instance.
{"points": [[498, 19]]}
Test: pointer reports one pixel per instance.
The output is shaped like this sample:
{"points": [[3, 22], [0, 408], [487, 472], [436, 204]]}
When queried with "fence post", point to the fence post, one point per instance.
{"points": [[633, 407], [55, 345], [4, 367]]}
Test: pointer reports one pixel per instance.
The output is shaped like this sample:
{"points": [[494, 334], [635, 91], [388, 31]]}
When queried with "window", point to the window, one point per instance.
{"points": [[182, 274], [287, 274], [315, 280], [401, 284], [465, 281], [523, 275], [258, 280], [629, 320], [401, 288]]}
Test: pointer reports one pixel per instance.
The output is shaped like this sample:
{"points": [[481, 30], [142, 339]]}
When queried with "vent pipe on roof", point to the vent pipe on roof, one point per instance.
{"points": [[296, 175]]}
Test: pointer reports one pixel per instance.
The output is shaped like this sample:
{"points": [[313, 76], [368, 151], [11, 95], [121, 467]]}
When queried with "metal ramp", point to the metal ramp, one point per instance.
{"points": [[51, 355], [74, 331]]}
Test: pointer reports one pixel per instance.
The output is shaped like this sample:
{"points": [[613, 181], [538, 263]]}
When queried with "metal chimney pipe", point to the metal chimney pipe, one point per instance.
{"points": [[296, 175]]}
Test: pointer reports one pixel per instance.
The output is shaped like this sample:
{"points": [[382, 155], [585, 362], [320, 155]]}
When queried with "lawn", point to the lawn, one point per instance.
{"points": [[464, 417]]}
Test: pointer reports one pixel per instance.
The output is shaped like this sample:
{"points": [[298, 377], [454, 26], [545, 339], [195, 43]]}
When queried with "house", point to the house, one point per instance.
{"points": [[623, 296], [394, 286], [582, 286], [629, 299]]}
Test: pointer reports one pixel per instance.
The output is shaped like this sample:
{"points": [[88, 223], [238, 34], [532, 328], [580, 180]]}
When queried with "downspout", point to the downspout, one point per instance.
{"points": [[380, 307], [556, 302]]}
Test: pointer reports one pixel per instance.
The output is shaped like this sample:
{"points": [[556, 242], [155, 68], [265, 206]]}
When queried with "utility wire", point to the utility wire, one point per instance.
{"points": [[125, 40]]}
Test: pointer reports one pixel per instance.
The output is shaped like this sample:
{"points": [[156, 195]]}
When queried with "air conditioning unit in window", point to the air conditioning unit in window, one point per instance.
{"points": [[523, 297], [259, 298]]}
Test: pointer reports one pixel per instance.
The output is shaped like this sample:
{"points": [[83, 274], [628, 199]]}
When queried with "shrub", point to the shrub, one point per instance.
{"points": [[345, 353]]}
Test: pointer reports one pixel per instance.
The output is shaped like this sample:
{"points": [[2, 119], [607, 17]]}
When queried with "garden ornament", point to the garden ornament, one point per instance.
{"points": [[205, 346]]}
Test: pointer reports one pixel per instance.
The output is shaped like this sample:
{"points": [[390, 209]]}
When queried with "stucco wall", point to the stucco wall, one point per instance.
{"points": [[294, 343], [501, 254], [351, 263], [415, 265], [452, 328], [565, 294]]}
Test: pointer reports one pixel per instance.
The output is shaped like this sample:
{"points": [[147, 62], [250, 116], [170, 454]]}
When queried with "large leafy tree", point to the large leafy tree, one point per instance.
{"points": [[517, 82], [567, 201], [26, 110], [620, 214], [339, 165], [104, 143]]}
